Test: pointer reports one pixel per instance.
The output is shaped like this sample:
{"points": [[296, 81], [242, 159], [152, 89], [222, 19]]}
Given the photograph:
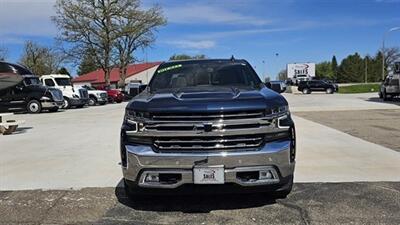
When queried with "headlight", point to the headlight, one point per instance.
{"points": [[277, 111], [45, 98], [134, 120]]}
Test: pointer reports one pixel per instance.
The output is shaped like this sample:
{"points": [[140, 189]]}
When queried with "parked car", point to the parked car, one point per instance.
{"points": [[114, 95], [96, 96], [29, 94], [277, 86], [317, 85], [78, 98], [208, 124], [390, 87]]}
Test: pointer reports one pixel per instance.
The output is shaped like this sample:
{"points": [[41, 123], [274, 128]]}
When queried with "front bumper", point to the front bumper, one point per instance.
{"points": [[273, 156], [78, 101], [52, 104]]}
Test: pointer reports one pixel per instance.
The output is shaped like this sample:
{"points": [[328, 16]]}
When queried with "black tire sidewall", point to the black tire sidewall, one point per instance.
{"points": [[33, 101], [94, 101]]}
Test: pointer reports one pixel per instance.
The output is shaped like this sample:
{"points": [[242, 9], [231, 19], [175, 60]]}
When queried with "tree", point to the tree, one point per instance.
{"points": [[63, 70], [351, 69], [324, 70], [391, 55], [87, 64], [3, 53], [184, 57], [136, 28], [89, 25], [40, 59], [282, 75], [334, 66]]}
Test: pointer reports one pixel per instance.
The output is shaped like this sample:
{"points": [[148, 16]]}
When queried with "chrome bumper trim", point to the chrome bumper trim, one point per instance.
{"points": [[275, 155]]}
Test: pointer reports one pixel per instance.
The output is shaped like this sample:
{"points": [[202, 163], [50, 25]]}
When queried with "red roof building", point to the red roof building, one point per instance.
{"points": [[136, 72]]}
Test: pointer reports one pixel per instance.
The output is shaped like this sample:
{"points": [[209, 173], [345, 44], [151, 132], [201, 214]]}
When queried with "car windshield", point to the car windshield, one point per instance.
{"points": [[31, 81], [63, 81], [204, 73]]}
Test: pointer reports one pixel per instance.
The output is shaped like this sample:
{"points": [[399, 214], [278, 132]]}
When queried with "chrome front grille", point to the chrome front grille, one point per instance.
{"points": [[83, 93], [208, 143], [206, 116], [57, 95]]}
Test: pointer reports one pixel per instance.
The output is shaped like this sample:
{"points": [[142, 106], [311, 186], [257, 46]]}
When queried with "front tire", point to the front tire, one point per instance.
{"points": [[92, 101], [285, 192], [329, 91], [67, 103], [306, 91], [34, 106]]}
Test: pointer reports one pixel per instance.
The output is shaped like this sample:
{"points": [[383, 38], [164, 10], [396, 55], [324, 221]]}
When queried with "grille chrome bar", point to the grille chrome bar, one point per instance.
{"points": [[171, 141], [200, 117]]}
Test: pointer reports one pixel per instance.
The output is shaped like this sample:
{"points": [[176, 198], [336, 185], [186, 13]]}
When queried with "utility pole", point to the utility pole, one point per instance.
{"points": [[366, 69]]}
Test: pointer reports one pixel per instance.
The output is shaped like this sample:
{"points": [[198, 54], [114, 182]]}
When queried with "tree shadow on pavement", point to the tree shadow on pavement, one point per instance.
{"points": [[199, 203]]}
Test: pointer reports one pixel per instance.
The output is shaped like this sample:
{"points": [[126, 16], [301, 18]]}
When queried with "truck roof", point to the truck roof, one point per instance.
{"points": [[57, 76]]}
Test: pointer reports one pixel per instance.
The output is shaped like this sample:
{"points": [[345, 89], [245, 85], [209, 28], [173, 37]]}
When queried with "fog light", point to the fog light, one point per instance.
{"points": [[265, 175], [152, 177]]}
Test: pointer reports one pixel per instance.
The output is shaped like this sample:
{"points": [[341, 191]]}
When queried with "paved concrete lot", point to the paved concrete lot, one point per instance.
{"points": [[346, 203], [79, 148], [378, 126], [338, 102]]}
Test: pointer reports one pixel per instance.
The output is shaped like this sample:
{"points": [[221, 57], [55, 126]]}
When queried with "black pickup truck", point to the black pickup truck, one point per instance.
{"points": [[21, 90], [207, 125]]}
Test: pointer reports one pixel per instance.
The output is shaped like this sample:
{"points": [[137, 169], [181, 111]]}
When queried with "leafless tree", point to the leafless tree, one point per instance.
{"points": [[136, 30], [40, 59], [391, 55], [89, 25]]}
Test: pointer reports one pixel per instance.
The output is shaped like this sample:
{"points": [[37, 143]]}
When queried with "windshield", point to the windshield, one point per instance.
{"points": [[63, 81], [31, 81], [204, 73]]}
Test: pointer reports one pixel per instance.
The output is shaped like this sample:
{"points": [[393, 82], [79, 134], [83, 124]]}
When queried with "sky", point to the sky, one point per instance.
{"points": [[267, 33]]}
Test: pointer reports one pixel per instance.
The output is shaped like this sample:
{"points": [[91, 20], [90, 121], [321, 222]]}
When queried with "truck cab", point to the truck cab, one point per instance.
{"points": [[96, 96], [29, 94], [72, 97], [390, 87]]}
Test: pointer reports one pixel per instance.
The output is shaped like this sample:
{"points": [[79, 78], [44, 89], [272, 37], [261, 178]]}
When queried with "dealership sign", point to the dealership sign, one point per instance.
{"points": [[296, 69]]}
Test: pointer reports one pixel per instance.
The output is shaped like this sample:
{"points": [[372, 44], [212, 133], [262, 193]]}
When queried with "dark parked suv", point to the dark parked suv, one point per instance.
{"points": [[208, 125], [317, 85]]}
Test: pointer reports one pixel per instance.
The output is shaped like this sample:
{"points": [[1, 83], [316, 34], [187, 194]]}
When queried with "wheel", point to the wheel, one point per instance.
{"points": [[55, 109], [385, 96], [284, 193], [130, 192], [329, 91], [92, 101], [380, 94], [306, 91], [67, 103], [34, 106]]}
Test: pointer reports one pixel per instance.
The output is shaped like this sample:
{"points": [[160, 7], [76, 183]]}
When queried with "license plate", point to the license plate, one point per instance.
{"points": [[209, 175]]}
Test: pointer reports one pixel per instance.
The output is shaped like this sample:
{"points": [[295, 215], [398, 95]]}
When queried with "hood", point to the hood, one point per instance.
{"points": [[113, 92], [96, 92], [207, 100]]}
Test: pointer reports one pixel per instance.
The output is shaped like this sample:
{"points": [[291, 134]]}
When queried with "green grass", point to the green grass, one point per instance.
{"points": [[359, 88]]}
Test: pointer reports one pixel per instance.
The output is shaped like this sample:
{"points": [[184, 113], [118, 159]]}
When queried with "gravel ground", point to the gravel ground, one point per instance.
{"points": [[312, 203], [378, 126]]}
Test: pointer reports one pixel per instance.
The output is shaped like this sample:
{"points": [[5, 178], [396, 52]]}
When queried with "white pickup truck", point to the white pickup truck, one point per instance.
{"points": [[72, 97], [95, 96]]}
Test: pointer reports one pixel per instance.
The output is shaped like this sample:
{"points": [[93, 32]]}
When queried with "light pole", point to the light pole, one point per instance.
{"points": [[366, 68], [383, 49]]}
